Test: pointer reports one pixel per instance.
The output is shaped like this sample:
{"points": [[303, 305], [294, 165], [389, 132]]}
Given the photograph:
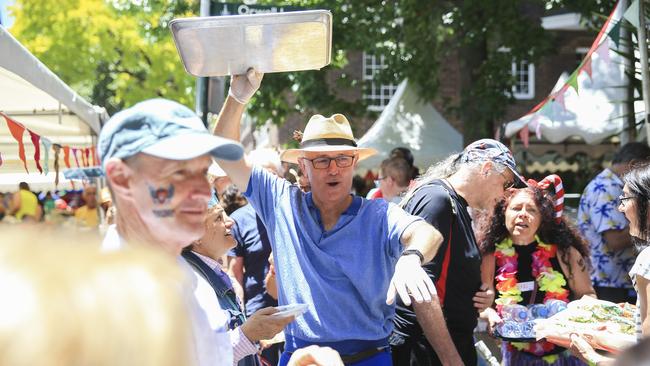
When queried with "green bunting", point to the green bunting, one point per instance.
{"points": [[615, 33], [573, 81]]}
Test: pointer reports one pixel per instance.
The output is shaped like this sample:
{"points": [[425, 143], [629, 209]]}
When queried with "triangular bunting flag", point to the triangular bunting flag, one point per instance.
{"points": [[573, 81], [57, 150], [524, 135], [17, 131], [47, 145], [87, 156], [93, 150], [615, 33], [74, 154], [83, 157], [534, 123], [632, 14], [36, 141], [603, 51], [586, 67], [66, 156], [559, 99]]}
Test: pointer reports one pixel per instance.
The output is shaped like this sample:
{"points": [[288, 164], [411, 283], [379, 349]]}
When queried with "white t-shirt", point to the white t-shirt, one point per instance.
{"points": [[641, 268], [211, 341]]}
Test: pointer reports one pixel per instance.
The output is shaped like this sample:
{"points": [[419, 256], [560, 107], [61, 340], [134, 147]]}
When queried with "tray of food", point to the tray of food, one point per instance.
{"points": [[605, 325], [271, 42]]}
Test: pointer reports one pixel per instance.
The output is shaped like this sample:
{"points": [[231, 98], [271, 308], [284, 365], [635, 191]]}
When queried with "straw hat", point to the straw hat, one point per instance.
{"points": [[327, 134]]}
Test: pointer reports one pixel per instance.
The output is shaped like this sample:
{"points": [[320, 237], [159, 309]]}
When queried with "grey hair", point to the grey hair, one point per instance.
{"points": [[445, 169]]}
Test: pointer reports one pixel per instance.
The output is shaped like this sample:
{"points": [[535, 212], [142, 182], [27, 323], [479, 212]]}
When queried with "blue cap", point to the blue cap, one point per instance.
{"points": [[165, 129], [488, 149]]}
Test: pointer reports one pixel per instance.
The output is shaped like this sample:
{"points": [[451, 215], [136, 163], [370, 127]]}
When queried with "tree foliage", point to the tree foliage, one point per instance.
{"points": [[115, 53]]}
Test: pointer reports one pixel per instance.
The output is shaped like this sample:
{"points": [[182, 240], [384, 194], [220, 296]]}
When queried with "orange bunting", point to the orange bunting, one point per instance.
{"points": [[17, 131], [36, 141], [66, 156]]}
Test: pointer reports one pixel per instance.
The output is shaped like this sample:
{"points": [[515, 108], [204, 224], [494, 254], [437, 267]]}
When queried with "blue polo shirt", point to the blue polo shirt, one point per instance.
{"points": [[342, 274]]}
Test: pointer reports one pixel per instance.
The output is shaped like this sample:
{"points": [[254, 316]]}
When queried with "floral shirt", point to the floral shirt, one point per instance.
{"points": [[598, 212]]}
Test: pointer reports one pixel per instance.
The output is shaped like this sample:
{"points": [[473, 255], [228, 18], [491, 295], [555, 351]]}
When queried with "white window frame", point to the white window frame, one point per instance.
{"points": [[377, 95], [530, 93]]}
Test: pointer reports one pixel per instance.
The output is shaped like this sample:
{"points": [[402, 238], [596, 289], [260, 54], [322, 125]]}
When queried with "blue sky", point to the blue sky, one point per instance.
{"points": [[3, 13]]}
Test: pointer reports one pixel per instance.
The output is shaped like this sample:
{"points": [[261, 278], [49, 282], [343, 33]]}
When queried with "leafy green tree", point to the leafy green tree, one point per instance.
{"points": [[115, 53]]}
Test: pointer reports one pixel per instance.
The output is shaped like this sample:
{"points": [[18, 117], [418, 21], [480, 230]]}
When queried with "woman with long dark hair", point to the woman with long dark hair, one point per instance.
{"points": [[533, 255]]}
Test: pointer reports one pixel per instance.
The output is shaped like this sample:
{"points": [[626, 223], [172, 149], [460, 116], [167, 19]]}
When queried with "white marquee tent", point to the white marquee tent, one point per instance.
{"points": [[34, 96], [413, 123]]}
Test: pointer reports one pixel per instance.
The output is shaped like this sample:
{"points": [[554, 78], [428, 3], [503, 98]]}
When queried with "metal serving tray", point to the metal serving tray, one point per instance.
{"points": [[276, 42]]}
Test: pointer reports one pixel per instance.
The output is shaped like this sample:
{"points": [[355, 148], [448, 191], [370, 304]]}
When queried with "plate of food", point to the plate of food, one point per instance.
{"points": [[605, 325]]}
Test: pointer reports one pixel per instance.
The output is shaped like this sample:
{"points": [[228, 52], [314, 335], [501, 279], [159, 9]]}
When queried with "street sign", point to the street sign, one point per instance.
{"points": [[217, 8]]}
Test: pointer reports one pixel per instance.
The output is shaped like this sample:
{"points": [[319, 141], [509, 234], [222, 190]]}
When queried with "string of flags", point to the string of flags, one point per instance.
{"points": [[82, 156], [555, 101]]}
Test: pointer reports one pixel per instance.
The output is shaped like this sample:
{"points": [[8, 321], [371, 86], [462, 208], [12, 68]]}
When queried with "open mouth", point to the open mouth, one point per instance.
{"points": [[333, 184], [521, 225]]}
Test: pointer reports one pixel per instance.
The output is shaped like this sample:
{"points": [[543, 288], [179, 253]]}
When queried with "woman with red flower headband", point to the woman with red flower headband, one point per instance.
{"points": [[532, 255]]}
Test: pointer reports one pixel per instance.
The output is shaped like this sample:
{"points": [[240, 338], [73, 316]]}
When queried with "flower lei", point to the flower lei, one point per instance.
{"points": [[550, 281]]}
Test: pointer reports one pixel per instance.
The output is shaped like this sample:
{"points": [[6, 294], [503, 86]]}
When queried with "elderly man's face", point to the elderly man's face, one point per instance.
{"points": [[171, 197], [332, 183]]}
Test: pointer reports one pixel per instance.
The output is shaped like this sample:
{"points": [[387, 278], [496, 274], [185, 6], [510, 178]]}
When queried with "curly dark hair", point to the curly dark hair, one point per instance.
{"points": [[563, 234]]}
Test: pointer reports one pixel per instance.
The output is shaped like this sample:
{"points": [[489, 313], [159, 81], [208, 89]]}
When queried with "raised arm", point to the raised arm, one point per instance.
{"points": [[242, 88]]}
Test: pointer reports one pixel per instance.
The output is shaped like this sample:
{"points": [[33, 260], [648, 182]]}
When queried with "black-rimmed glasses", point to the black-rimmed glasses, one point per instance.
{"points": [[342, 161], [622, 199]]}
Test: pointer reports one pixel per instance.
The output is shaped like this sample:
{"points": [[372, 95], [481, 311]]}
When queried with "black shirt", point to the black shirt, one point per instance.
{"points": [[433, 202]]}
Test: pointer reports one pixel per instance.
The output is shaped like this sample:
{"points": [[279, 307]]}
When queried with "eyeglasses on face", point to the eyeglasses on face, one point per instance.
{"points": [[622, 199], [378, 180], [342, 161]]}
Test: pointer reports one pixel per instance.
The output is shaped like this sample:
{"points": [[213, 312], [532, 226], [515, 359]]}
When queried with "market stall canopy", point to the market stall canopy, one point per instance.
{"points": [[414, 123], [589, 103], [35, 97]]}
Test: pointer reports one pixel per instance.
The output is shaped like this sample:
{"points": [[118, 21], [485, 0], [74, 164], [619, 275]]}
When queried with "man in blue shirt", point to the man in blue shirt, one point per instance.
{"points": [[340, 254]]}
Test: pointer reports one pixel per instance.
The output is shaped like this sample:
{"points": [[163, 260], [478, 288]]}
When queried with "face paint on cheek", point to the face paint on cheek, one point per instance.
{"points": [[163, 213], [161, 196]]}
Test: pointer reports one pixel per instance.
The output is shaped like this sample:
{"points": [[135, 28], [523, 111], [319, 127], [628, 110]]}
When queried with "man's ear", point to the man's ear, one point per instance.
{"points": [[486, 167], [118, 176]]}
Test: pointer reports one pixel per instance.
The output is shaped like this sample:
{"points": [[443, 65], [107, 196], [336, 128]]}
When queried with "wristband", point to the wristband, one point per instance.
{"points": [[414, 251]]}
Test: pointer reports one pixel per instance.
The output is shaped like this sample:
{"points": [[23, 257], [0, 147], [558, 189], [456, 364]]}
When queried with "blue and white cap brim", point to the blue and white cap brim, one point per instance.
{"points": [[191, 145]]}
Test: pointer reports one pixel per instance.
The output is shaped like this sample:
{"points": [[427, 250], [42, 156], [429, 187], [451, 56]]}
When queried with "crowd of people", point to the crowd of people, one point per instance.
{"points": [[211, 242], [82, 208]]}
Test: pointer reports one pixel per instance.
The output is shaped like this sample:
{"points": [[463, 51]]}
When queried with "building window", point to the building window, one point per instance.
{"points": [[524, 74], [376, 95]]}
